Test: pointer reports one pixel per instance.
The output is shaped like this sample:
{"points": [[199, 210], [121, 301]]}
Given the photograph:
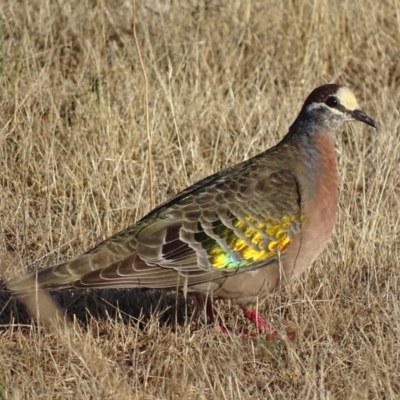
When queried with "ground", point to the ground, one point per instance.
{"points": [[96, 128]]}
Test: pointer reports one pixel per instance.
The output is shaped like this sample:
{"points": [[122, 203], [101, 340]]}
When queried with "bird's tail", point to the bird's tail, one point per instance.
{"points": [[58, 276]]}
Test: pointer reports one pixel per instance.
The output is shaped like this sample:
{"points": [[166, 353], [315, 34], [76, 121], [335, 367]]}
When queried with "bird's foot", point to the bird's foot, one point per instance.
{"points": [[264, 327], [260, 322], [207, 305], [253, 315]]}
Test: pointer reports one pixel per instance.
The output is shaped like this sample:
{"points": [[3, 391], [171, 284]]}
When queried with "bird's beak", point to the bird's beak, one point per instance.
{"points": [[361, 116]]}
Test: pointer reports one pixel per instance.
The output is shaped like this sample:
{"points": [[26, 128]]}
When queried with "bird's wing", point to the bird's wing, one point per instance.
{"points": [[235, 220]]}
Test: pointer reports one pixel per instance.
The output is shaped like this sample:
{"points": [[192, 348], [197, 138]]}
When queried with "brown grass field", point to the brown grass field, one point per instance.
{"points": [[83, 154]]}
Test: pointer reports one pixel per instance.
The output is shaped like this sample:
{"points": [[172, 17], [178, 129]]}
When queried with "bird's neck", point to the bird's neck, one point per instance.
{"points": [[316, 149], [312, 159]]}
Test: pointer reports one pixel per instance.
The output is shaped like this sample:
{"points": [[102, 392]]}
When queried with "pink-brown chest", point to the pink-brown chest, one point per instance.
{"points": [[321, 200]]}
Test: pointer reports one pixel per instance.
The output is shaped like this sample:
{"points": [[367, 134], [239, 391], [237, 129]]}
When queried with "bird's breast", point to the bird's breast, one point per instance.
{"points": [[320, 196]]}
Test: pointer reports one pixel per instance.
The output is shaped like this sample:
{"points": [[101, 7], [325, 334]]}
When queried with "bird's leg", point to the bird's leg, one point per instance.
{"points": [[260, 322], [206, 304], [252, 314], [264, 327]]}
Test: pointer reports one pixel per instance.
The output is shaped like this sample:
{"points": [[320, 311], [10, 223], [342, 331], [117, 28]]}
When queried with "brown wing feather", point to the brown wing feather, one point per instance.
{"points": [[173, 242]]}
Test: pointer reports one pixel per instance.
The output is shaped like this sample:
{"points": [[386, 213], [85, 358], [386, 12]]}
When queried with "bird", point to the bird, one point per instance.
{"points": [[239, 234]]}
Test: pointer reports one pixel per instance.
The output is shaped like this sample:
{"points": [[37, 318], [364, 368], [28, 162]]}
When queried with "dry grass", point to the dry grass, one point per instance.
{"points": [[225, 81]]}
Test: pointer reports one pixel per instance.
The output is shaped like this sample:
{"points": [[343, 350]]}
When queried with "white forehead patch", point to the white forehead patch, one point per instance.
{"points": [[347, 98]]}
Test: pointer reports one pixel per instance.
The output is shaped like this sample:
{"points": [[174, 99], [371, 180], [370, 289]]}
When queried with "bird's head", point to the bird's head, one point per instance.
{"points": [[330, 106]]}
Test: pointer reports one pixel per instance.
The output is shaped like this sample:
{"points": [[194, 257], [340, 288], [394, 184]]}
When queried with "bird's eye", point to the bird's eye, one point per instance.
{"points": [[332, 102]]}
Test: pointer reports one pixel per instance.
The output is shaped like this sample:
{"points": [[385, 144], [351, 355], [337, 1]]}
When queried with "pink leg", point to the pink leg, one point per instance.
{"points": [[263, 326], [205, 302], [260, 322]]}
